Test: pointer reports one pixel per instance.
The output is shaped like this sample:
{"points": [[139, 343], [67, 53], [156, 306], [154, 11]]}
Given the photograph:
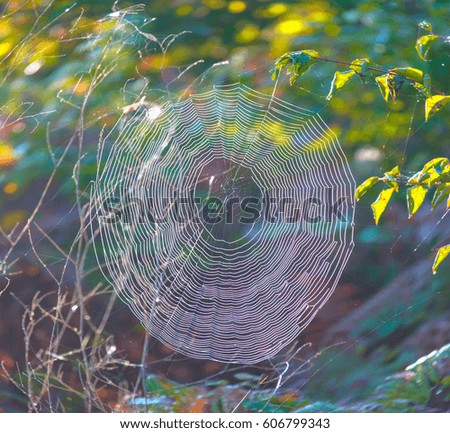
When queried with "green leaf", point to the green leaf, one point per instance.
{"points": [[274, 73], [424, 43], [365, 186], [410, 73], [414, 198], [382, 82], [434, 104], [280, 63], [442, 253], [426, 26], [380, 204], [442, 192], [298, 63], [339, 81]]}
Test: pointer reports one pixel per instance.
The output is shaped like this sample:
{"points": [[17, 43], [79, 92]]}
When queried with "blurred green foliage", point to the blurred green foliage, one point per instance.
{"points": [[68, 71], [422, 386], [436, 173], [88, 59], [53, 68]]}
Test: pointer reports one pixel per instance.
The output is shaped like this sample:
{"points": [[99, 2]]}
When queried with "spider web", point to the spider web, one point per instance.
{"points": [[230, 291]]}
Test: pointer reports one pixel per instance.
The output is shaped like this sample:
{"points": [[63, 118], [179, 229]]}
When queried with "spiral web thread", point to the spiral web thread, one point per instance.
{"points": [[228, 292]]}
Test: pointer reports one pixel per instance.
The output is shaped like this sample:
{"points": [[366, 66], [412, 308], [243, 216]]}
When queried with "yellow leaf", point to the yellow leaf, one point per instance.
{"points": [[382, 82], [365, 186], [410, 73], [434, 104], [422, 89], [442, 192], [299, 61], [434, 162], [423, 45], [442, 253], [426, 26], [414, 198], [339, 81], [391, 177], [380, 204], [360, 65], [393, 174]]}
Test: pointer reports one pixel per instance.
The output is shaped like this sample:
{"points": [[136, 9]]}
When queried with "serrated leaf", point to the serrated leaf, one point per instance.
{"points": [[339, 81], [414, 198], [434, 104], [365, 186], [442, 192], [380, 204], [442, 253], [410, 73], [424, 43], [425, 25]]}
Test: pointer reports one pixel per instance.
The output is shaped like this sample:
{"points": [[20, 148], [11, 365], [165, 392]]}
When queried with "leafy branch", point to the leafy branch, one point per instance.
{"points": [[389, 81], [435, 174]]}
